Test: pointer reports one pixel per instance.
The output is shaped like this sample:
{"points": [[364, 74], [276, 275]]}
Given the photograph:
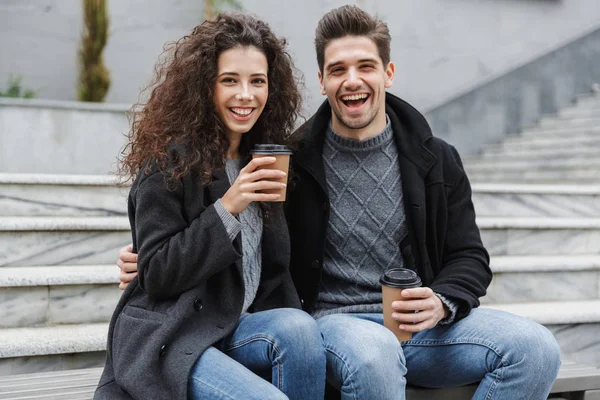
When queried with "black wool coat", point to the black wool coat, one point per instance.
{"points": [[443, 243], [189, 291]]}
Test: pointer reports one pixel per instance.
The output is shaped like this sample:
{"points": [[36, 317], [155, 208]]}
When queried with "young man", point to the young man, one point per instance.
{"points": [[373, 189]]}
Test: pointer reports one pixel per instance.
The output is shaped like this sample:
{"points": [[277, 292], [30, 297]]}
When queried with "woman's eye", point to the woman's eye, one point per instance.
{"points": [[259, 81], [228, 80]]}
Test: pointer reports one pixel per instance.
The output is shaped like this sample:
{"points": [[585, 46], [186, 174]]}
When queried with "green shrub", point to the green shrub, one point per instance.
{"points": [[94, 78], [15, 89]]}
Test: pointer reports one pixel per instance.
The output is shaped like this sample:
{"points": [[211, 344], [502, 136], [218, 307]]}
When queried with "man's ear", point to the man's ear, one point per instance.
{"points": [[390, 72], [320, 75]]}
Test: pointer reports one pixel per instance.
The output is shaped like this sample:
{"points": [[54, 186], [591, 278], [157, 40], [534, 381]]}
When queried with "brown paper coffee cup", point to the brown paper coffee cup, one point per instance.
{"points": [[282, 163], [393, 282]]}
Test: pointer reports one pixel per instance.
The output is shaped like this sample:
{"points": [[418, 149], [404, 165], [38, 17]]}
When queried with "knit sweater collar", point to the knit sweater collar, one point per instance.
{"points": [[375, 142]]}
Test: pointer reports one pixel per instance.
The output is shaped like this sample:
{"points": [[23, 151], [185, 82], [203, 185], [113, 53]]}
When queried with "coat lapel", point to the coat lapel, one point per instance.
{"points": [[415, 162]]}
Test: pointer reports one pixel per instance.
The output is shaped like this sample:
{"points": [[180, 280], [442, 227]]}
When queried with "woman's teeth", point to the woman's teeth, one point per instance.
{"points": [[242, 111]]}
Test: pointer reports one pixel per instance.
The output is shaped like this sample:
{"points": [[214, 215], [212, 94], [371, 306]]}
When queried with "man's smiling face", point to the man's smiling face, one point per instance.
{"points": [[354, 80]]}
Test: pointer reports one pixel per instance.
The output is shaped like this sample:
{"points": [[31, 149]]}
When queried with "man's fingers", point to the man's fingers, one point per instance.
{"points": [[427, 324], [128, 267], [417, 293], [126, 278], [413, 305], [411, 318], [125, 255]]}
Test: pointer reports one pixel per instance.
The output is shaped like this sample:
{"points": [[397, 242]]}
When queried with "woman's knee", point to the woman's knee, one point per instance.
{"points": [[295, 329]]}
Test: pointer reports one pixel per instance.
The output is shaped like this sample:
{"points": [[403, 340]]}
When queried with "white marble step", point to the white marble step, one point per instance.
{"points": [[544, 278], [27, 241], [570, 122], [540, 236], [49, 295], [496, 153], [555, 312], [49, 340], [540, 142], [535, 164], [523, 200], [573, 176], [542, 135], [544, 131], [517, 149], [580, 112], [61, 195]]}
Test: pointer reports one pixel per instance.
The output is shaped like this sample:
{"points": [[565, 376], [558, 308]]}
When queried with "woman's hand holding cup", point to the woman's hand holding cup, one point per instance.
{"points": [[250, 180]]}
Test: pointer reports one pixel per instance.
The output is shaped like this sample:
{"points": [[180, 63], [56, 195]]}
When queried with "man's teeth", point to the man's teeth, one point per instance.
{"points": [[354, 97], [242, 111]]}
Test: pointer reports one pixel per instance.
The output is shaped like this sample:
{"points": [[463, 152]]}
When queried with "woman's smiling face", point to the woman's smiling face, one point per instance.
{"points": [[241, 89]]}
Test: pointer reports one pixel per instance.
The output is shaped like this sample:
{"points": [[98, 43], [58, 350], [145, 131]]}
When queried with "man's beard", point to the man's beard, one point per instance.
{"points": [[350, 124]]}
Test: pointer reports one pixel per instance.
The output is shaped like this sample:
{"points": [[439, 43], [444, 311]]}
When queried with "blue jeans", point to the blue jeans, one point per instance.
{"points": [[283, 345], [513, 357]]}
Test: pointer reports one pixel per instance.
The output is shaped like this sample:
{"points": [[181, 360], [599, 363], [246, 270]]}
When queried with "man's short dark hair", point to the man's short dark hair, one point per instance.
{"points": [[351, 21]]}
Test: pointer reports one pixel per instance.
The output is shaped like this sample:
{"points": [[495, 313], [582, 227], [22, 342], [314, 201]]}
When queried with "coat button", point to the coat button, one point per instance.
{"points": [[198, 304], [162, 351], [316, 264]]}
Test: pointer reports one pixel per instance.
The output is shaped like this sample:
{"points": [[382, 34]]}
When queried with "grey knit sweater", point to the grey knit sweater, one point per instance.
{"points": [[366, 224], [250, 223]]}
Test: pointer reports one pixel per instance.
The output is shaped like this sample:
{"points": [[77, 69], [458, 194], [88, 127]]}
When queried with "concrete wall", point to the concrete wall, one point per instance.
{"points": [[441, 48]]}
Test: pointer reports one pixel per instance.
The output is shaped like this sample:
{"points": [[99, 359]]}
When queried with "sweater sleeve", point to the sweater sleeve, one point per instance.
{"points": [[176, 254], [232, 225]]}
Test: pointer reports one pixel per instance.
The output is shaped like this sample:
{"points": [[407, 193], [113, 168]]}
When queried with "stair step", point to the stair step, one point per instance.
{"points": [[544, 278], [27, 241], [61, 195], [569, 122], [49, 340], [572, 176], [533, 164], [544, 236], [50, 295], [522, 200], [556, 312], [557, 140], [57, 275], [542, 263], [497, 153]]}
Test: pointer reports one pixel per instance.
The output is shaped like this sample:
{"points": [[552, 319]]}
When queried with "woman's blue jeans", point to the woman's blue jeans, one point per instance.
{"points": [[283, 345], [513, 357]]}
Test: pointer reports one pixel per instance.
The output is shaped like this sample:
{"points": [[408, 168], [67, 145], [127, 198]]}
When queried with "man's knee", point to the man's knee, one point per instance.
{"points": [[361, 343]]}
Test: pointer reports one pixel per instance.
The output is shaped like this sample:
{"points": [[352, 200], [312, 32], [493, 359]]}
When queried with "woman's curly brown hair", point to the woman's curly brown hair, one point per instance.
{"points": [[178, 128]]}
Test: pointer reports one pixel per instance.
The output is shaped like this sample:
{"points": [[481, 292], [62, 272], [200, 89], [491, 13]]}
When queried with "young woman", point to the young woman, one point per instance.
{"points": [[213, 311]]}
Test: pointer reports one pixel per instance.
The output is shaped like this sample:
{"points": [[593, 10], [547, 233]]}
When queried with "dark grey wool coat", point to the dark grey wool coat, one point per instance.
{"points": [[189, 291]]}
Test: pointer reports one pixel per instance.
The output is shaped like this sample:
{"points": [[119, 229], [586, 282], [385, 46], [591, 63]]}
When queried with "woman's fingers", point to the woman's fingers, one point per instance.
{"points": [[262, 185], [257, 162]]}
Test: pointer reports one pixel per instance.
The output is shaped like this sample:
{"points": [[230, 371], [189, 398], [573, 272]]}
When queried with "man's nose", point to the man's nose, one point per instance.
{"points": [[353, 79]]}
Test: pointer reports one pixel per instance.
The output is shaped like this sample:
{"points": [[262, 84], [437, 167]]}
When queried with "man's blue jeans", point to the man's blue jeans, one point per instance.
{"points": [[284, 345], [513, 357]]}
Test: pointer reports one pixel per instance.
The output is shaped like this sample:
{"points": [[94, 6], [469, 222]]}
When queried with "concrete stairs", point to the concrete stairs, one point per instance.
{"points": [[537, 197], [59, 239]]}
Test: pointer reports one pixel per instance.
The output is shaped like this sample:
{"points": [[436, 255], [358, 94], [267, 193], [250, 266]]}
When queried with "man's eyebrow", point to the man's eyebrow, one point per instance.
{"points": [[362, 60]]}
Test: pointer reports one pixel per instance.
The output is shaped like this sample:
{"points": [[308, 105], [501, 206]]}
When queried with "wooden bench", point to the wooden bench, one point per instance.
{"points": [[574, 382]]}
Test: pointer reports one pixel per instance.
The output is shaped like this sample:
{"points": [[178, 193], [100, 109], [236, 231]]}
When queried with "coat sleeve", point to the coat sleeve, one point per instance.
{"points": [[174, 254], [465, 273]]}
